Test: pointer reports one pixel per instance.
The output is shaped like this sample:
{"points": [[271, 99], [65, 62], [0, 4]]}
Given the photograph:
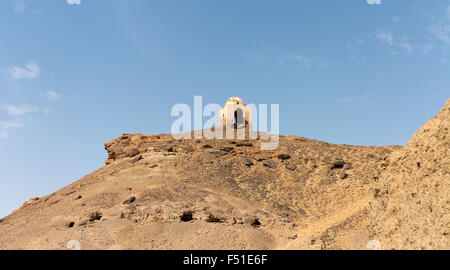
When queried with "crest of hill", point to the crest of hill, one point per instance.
{"points": [[411, 208]]}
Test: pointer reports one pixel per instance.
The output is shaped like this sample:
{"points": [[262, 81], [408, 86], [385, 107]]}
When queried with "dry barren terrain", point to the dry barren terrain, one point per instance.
{"points": [[156, 192]]}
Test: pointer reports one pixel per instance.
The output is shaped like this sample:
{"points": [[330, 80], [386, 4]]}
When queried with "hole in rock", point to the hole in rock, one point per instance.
{"points": [[339, 164], [187, 216], [256, 223], [95, 216]]}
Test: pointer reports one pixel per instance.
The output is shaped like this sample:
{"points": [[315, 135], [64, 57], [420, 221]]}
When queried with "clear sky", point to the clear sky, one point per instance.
{"points": [[75, 74]]}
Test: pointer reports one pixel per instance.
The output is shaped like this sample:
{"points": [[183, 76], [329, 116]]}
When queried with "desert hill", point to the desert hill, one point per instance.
{"points": [[156, 192], [160, 193], [411, 206]]}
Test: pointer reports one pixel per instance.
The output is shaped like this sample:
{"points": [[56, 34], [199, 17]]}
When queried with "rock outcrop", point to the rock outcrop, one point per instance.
{"points": [[411, 205]]}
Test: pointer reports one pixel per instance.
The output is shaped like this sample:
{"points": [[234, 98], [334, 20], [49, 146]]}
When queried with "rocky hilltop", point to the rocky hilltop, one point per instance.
{"points": [[156, 192]]}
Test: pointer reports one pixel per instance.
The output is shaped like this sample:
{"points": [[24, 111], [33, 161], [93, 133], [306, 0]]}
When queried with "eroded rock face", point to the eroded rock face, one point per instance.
{"points": [[411, 204], [130, 145]]}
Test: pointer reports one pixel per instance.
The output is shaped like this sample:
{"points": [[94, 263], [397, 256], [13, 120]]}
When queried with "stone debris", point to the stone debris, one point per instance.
{"points": [[291, 167], [270, 164], [218, 154], [130, 200]]}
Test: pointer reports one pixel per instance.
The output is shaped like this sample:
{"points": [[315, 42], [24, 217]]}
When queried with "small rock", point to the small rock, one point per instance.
{"points": [[227, 149], [244, 144], [129, 200], [153, 166], [121, 156], [302, 212], [338, 164], [215, 219], [78, 197], [136, 159], [218, 154], [344, 175], [31, 201], [248, 163], [376, 193], [284, 156], [259, 159], [207, 146], [291, 167], [270, 164], [70, 193], [292, 237], [187, 149], [54, 202], [109, 161], [132, 152], [163, 149], [95, 216]]}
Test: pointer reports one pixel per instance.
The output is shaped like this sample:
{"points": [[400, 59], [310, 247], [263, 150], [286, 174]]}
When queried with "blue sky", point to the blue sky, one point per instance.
{"points": [[73, 76]]}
